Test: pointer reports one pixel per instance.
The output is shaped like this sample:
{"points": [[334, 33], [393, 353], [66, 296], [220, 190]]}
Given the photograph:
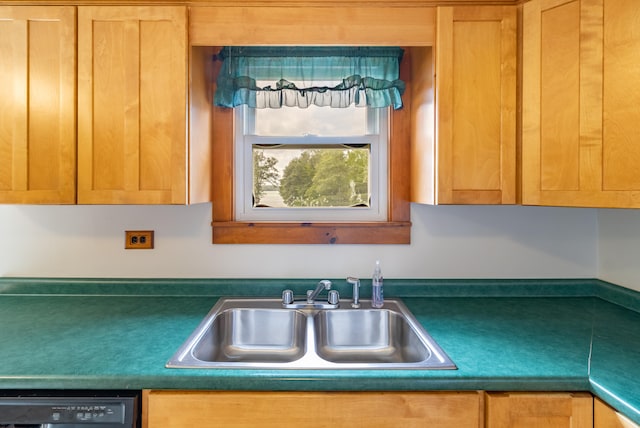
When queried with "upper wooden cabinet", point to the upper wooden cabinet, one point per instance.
{"points": [[37, 104], [473, 157], [132, 105], [581, 91], [140, 136]]}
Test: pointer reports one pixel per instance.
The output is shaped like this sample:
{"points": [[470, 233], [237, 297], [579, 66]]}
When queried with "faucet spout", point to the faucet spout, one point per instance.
{"points": [[356, 291], [322, 285]]}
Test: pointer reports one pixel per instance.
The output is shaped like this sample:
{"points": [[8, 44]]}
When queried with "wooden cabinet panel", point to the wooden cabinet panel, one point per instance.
{"points": [[184, 409], [559, 96], [132, 104], [37, 104], [581, 62], [476, 105], [606, 417], [532, 410], [621, 97], [270, 23]]}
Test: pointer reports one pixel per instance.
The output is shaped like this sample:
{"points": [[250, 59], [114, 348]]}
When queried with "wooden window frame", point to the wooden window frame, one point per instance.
{"points": [[395, 230]]}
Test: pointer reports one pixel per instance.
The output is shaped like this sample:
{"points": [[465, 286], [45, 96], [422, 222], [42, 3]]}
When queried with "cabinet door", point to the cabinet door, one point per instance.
{"points": [[37, 104], [132, 90], [581, 89], [549, 410], [606, 417], [476, 104], [185, 409]]}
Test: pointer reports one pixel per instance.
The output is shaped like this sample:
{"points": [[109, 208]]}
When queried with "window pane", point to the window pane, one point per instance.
{"points": [[311, 176], [313, 120]]}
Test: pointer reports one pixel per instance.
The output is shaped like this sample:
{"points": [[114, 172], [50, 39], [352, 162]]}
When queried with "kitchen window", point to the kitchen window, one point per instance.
{"points": [[314, 174], [312, 164]]}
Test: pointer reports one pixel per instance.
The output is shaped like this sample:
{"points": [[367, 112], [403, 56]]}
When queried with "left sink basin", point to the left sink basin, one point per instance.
{"points": [[244, 333], [253, 335]]}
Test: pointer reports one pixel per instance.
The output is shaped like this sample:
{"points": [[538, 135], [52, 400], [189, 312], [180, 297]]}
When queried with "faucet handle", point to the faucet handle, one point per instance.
{"points": [[287, 297], [334, 297]]}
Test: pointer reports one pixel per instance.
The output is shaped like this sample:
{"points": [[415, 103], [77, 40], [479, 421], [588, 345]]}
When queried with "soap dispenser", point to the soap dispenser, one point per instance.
{"points": [[377, 297]]}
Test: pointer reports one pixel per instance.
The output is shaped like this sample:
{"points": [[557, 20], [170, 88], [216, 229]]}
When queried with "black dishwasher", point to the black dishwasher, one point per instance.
{"points": [[67, 409]]}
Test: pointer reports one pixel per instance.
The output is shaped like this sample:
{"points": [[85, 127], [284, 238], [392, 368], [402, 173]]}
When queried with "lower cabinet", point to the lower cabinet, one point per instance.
{"points": [[471, 409], [549, 410], [188, 409], [606, 417]]}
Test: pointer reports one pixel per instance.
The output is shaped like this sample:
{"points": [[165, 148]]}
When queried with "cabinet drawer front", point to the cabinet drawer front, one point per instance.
{"points": [[182, 409]]}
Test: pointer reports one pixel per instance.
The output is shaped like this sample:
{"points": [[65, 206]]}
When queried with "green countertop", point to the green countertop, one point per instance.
{"points": [[503, 335]]}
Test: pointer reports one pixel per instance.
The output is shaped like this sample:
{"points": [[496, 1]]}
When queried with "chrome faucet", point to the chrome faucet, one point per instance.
{"points": [[333, 298], [356, 291], [325, 284]]}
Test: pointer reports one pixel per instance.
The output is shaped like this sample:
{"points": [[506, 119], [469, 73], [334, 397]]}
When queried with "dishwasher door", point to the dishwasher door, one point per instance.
{"points": [[69, 412]]}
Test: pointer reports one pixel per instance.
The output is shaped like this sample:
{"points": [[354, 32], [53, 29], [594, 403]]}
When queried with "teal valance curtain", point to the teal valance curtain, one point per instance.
{"points": [[364, 76]]}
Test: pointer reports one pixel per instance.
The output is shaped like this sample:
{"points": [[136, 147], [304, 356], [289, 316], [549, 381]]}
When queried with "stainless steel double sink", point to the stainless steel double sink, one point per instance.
{"points": [[260, 333]]}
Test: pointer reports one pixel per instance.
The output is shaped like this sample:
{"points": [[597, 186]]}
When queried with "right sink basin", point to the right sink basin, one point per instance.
{"points": [[369, 336], [261, 333]]}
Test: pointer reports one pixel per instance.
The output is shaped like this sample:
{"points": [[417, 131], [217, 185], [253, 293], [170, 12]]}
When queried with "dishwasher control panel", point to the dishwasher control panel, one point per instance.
{"points": [[94, 413], [105, 412]]}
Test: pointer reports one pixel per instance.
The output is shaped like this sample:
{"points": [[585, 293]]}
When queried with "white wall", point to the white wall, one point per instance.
{"points": [[619, 247], [447, 242]]}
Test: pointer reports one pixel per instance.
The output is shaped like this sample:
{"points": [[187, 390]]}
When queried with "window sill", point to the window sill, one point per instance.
{"points": [[312, 233]]}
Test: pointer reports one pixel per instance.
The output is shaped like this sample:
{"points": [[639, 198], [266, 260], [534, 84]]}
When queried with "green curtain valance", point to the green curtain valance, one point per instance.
{"points": [[367, 76]]}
